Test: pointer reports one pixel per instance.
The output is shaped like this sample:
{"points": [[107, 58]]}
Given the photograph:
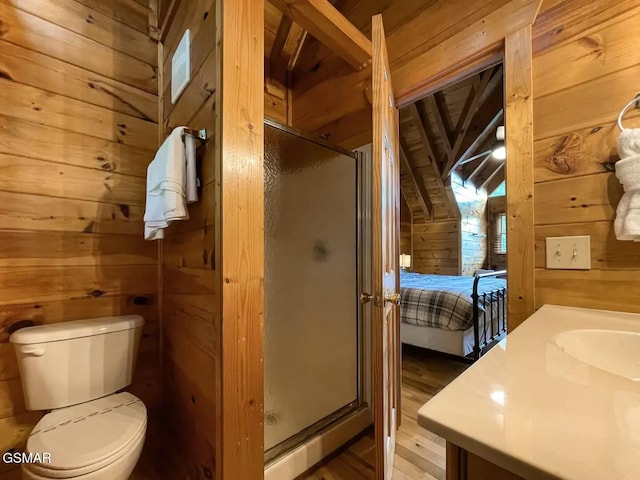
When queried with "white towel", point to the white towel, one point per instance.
{"points": [[192, 187], [629, 143], [171, 184], [627, 222]]}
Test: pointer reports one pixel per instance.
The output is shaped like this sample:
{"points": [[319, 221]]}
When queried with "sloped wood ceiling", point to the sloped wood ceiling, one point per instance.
{"points": [[439, 134], [448, 131]]}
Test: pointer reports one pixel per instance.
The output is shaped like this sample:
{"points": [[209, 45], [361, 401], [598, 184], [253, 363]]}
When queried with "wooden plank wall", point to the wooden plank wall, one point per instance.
{"points": [[473, 226], [406, 218], [586, 68], [456, 246], [329, 97], [78, 127], [191, 333], [436, 247], [495, 206]]}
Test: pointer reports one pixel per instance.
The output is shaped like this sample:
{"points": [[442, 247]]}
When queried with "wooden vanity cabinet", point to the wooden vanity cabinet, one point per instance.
{"points": [[464, 465]]}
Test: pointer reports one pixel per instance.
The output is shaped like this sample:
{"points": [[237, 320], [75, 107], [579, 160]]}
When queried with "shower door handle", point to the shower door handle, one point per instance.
{"points": [[365, 297]]}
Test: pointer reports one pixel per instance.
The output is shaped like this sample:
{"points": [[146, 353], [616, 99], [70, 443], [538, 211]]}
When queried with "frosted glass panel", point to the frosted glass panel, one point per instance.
{"points": [[311, 318]]}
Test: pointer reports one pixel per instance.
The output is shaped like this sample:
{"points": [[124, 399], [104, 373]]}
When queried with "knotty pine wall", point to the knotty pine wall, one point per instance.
{"points": [[191, 327], [436, 247], [78, 126], [586, 68], [457, 246], [406, 218]]}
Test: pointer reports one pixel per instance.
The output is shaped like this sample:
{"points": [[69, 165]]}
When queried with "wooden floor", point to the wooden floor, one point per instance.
{"points": [[420, 455]]}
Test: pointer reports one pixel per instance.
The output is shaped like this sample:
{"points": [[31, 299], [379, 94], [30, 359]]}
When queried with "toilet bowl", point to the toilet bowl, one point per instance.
{"points": [[97, 440], [91, 433]]}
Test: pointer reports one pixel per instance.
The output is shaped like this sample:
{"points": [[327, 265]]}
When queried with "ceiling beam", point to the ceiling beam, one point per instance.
{"points": [[498, 169], [419, 122], [480, 139], [469, 103], [496, 180], [286, 48], [406, 200], [439, 112], [419, 117], [276, 62], [445, 115], [293, 45], [483, 97], [488, 82], [480, 166], [330, 27], [483, 122], [418, 185]]}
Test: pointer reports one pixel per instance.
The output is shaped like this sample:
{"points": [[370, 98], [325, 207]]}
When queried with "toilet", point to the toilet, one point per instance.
{"points": [[75, 370]]}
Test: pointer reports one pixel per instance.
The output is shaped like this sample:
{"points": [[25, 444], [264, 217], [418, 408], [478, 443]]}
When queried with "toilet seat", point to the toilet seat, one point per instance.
{"points": [[87, 437]]}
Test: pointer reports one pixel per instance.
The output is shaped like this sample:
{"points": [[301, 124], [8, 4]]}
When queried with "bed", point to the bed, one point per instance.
{"points": [[462, 316]]}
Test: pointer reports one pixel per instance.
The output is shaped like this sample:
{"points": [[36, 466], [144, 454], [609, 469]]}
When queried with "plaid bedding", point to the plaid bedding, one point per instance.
{"points": [[440, 301]]}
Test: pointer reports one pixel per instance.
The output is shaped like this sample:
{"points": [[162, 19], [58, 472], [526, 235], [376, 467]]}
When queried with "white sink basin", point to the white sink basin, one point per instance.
{"points": [[614, 351]]}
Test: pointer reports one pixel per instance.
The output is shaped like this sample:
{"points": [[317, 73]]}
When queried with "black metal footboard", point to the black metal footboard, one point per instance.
{"points": [[490, 321]]}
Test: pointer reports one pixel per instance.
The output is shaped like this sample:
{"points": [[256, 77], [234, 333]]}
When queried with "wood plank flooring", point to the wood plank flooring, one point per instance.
{"points": [[420, 454]]}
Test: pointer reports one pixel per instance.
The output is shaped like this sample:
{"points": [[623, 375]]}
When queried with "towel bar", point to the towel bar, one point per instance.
{"points": [[197, 134]]}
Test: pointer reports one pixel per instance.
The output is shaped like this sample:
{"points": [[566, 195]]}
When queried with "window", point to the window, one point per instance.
{"points": [[500, 190], [500, 228]]}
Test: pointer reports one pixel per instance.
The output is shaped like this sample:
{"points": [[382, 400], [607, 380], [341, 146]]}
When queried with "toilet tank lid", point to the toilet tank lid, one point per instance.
{"points": [[75, 329]]}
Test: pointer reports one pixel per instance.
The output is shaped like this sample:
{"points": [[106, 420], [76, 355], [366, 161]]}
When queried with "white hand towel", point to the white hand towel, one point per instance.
{"points": [[192, 187], [627, 222], [167, 186], [629, 143]]}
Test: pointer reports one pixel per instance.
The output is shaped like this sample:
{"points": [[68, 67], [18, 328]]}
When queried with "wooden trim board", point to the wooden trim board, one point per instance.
{"points": [[518, 84], [239, 151], [420, 80]]}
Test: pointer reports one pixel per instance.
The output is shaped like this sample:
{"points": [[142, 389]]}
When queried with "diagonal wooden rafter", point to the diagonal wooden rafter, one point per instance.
{"points": [[419, 116], [439, 108], [484, 122], [286, 48], [406, 200], [418, 185], [480, 166], [330, 27], [419, 122], [497, 179], [492, 176], [293, 45], [471, 100], [478, 97], [488, 82], [484, 135], [445, 115], [275, 57]]}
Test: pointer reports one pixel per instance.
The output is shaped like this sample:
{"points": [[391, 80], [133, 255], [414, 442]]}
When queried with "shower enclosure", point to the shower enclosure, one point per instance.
{"points": [[312, 314]]}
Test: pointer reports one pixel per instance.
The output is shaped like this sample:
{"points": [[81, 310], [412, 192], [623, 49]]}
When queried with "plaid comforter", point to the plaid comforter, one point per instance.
{"points": [[440, 301]]}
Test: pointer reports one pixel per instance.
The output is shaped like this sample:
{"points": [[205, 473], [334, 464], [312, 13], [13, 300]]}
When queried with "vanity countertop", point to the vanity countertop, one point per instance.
{"points": [[529, 407]]}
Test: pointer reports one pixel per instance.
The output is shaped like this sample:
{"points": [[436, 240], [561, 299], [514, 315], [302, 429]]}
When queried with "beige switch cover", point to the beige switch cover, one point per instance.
{"points": [[569, 253]]}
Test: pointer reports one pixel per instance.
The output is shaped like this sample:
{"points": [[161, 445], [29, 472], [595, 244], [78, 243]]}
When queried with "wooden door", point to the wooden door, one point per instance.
{"points": [[385, 267]]}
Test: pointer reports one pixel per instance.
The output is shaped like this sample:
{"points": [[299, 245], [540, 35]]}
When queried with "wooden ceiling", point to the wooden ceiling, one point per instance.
{"points": [[441, 133], [438, 134]]}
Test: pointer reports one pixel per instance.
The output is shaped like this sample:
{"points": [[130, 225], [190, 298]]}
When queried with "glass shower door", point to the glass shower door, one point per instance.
{"points": [[311, 283]]}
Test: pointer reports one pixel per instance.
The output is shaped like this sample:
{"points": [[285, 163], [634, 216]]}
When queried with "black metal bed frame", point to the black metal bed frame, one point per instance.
{"points": [[491, 299]]}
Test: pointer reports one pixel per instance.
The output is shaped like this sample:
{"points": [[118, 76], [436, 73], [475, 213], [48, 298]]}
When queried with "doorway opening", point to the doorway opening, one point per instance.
{"points": [[453, 234]]}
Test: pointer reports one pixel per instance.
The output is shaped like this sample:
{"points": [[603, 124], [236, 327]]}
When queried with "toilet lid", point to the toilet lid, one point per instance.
{"points": [[88, 434]]}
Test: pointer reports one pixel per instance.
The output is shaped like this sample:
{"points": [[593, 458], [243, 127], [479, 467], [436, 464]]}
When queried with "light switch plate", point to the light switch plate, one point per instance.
{"points": [[181, 67], [569, 253]]}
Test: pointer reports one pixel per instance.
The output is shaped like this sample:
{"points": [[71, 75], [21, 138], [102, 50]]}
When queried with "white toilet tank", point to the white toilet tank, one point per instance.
{"points": [[67, 363]]}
